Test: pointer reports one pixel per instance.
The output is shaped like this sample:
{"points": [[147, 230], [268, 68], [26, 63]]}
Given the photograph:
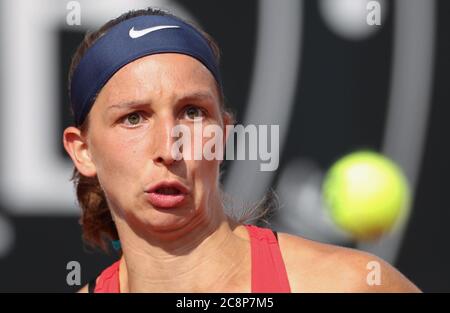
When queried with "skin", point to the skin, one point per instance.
{"points": [[194, 247]]}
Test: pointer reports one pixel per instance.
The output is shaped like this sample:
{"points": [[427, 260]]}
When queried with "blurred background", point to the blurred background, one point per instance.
{"points": [[337, 76]]}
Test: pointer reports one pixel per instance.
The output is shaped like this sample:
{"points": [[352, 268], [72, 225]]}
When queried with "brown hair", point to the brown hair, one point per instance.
{"points": [[97, 224]]}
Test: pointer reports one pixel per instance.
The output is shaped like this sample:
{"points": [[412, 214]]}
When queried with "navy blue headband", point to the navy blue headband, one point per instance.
{"points": [[128, 41]]}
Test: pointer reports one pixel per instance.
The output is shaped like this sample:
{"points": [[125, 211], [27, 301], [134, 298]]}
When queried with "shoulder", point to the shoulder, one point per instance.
{"points": [[84, 289], [317, 267]]}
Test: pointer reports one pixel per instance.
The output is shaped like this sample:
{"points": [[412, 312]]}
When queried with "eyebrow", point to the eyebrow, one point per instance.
{"points": [[200, 95], [141, 104], [128, 104]]}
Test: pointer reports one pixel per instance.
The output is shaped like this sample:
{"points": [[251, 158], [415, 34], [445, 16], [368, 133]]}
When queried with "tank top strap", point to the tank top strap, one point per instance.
{"points": [[268, 268], [108, 281]]}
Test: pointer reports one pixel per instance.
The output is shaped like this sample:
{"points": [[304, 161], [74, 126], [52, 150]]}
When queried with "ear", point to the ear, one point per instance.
{"points": [[76, 146]]}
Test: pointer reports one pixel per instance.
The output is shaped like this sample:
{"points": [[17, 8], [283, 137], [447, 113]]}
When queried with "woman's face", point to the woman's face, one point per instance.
{"points": [[129, 139]]}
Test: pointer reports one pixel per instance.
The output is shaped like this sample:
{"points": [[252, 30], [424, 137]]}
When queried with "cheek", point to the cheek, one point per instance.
{"points": [[205, 171], [205, 175], [118, 157]]}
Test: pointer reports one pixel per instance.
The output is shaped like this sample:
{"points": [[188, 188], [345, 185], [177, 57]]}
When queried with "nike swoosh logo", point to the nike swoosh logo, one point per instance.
{"points": [[139, 33]]}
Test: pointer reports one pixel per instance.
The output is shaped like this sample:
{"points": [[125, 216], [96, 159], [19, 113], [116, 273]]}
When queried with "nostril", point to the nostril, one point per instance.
{"points": [[164, 161]]}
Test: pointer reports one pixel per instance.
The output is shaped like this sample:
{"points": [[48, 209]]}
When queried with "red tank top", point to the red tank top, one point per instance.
{"points": [[268, 269]]}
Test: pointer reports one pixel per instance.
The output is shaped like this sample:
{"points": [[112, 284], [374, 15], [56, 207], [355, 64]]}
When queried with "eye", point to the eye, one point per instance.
{"points": [[194, 113], [132, 119]]}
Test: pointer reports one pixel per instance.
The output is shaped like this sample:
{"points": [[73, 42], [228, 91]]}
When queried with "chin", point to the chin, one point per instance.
{"points": [[158, 219]]}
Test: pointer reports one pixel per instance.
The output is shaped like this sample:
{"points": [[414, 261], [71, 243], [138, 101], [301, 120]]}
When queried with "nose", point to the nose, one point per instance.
{"points": [[164, 142]]}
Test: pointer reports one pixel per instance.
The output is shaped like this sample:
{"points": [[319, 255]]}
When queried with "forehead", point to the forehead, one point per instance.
{"points": [[158, 74]]}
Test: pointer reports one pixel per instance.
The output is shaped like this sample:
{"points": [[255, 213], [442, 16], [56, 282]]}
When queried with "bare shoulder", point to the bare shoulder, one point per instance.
{"points": [[317, 267], [84, 289]]}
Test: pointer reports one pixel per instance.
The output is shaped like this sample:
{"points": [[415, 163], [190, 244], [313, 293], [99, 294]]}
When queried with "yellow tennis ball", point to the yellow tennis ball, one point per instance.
{"points": [[366, 194]]}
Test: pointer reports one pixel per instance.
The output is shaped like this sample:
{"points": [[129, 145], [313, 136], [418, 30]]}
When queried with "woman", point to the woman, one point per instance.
{"points": [[131, 83]]}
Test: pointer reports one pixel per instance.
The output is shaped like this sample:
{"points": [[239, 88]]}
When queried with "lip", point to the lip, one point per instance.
{"points": [[166, 200]]}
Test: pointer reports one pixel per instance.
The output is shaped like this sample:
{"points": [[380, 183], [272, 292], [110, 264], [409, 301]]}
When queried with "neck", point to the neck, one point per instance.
{"points": [[203, 256]]}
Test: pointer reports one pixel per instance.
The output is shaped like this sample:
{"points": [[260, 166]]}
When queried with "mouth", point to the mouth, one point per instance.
{"points": [[167, 194], [168, 191]]}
